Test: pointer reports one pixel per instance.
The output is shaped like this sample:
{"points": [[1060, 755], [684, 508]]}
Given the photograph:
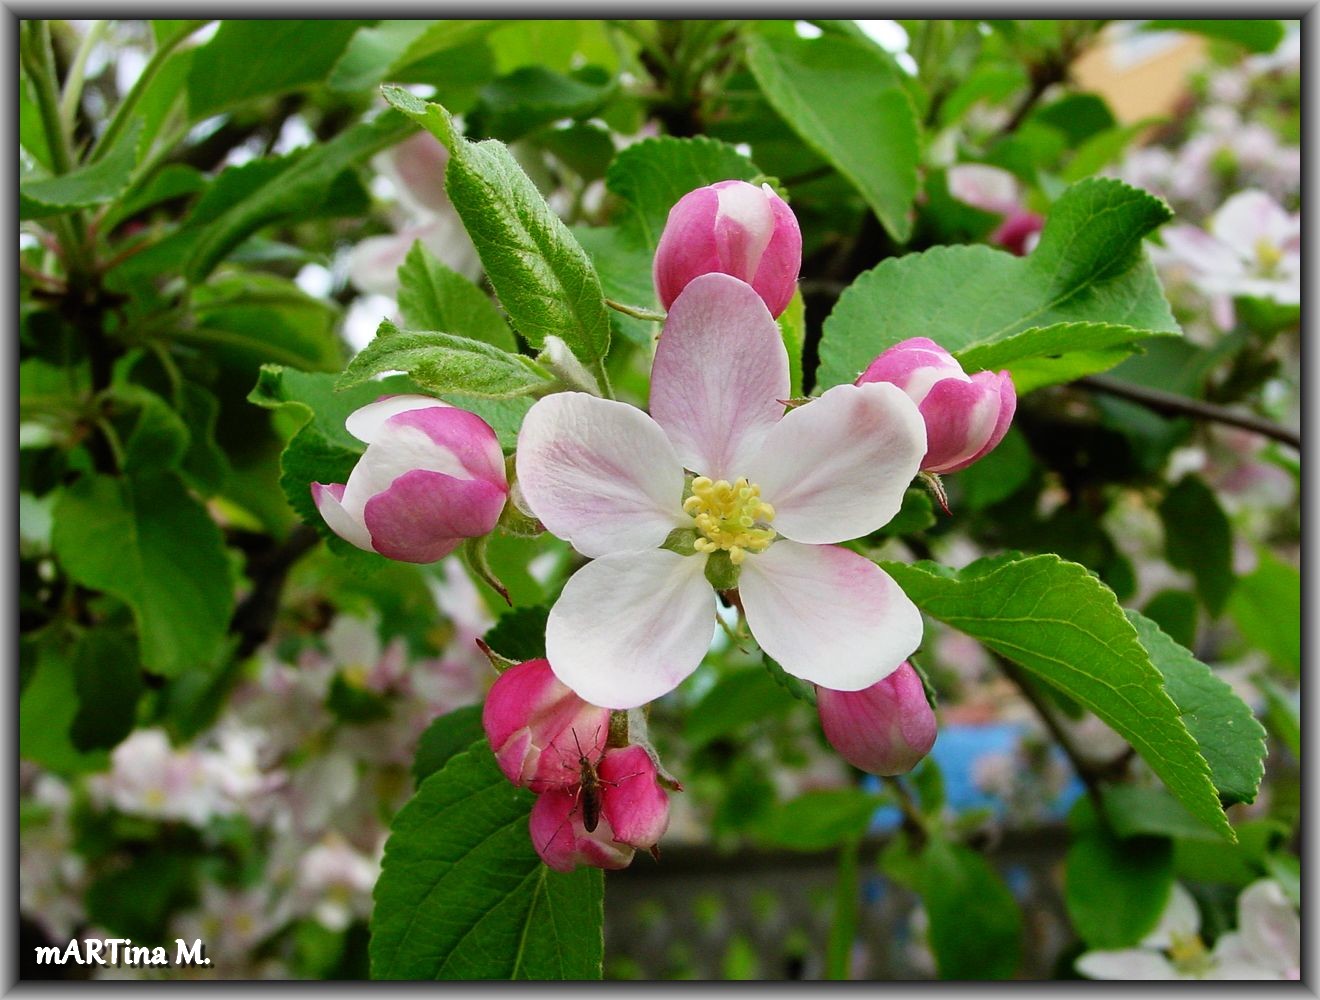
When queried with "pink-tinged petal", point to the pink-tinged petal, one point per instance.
{"points": [[419, 167], [599, 474], [744, 224], [1130, 963], [635, 805], [886, 728], [1199, 251], [837, 468], [988, 188], [687, 244], [914, 365], [961, 418], [630, 627], [776, 277], [719, 375], [1270, 925], [329, 501], [1234, 959], [365, 422], [373, 263], [562, 841], [1019, 232], [462, 434], [423, 516], [1249, 217], [828, 615]]}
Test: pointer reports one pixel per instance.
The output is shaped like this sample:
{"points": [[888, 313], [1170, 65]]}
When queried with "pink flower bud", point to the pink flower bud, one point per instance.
{"points": [[734, 228], [562, 841], [432, 476], [539, 728], [1019, 232], [883, 729], [966, 416], [631, 798]]}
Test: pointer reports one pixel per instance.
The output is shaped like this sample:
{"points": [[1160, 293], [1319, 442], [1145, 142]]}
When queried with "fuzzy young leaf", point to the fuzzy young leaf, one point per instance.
{"points": [[458, 859], [1087, 274], [544, 279], [846, 100], [1223, 725], [1058, 621], [442, 362], [149, 543], [432, 297]]}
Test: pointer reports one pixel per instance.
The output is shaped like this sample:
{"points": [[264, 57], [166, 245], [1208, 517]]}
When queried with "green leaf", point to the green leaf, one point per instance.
{"points": [[254, 58], [445, 738], [48, 706], [441, 362], [304, 184], [1231, 739], [159, 438], [109, 684], [1199, 539], [1115, 890], [1136, 811], [624, 267], [517, 103], [652, 175], [739, 699], [998, 475], [84, 187], [916, 515], [1221, 863], [796, 686], [1253, 35], [1088, 269], [819, 820], [544, 279], [520, 633], [149, 543], [793, 329], [846, 100], [1266, 606], [1174, 611], [432, 297], [372, 51], [1282, 714], [463, 895], [975, 924], [1062, 624]]}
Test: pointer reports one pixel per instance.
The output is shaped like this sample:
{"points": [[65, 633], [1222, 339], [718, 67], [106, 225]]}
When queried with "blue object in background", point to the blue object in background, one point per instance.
{"points": [[956, 751]]}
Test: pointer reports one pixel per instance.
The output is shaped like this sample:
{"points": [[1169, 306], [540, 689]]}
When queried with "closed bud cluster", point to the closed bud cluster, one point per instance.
{"points": [[431, 477], [732, 228], [965, 416], [542, 733], [883, 729]]}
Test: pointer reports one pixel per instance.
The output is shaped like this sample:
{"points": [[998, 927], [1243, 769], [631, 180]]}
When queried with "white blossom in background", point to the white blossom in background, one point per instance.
{"points": [[334, 880]]}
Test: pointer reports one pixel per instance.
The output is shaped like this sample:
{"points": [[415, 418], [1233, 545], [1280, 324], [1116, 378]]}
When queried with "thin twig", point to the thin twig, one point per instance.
{"points": [[636, 312], [914, 822], [1171, 404], [255, 615]]}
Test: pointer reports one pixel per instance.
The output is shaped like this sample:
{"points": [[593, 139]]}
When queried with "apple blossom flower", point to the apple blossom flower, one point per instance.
{"points": [[966, 416], [334, 882], [997, 191], [432, 476], [732, 228], [415, 169], [634, 813], [771, 494], [1266, 944], [883, 729], [539, 728], [1253, 248]]}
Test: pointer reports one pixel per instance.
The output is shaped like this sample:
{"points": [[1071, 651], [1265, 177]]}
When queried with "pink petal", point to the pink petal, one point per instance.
{"points": [[630, 627], [558, 834], [719, 374], [636, 806], [828, 615], [1249, 217], [836, 468], [600, 474], [744, 224], [423, 516], [962, 419]]}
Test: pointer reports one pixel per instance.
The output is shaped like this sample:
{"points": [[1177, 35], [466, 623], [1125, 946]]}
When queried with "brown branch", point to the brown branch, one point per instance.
{"points": [[1171, 404], [255, 615]]}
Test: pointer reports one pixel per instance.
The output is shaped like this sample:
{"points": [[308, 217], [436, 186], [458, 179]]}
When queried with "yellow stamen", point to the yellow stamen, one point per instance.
{"points": [[730, 516]]}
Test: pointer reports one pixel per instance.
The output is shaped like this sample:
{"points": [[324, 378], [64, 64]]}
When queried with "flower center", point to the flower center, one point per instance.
{"points": [[1188, 955], [1268, 255], [730, 516]]}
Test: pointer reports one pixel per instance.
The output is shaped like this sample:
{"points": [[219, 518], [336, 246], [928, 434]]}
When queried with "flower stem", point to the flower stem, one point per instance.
{"points": [[73, 86], [843, 930], [636, 312]]}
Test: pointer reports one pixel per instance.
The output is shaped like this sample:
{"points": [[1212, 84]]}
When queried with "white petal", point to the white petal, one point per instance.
{"points": [[837, 468], [1270, 925], [1130, 963], [1249, 217], [365, 422], [600, 474], [629, 627], [827, 614], [719, 374], [1180, 917]]}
